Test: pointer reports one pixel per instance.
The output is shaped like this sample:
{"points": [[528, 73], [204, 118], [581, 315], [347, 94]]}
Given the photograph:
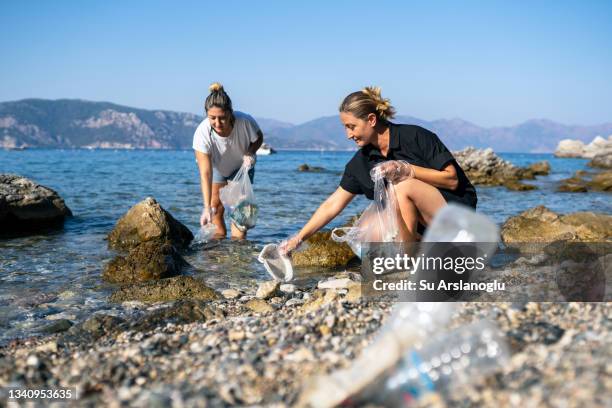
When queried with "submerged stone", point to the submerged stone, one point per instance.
{"points": [[148, 261], [322, 251], [165, 290]]}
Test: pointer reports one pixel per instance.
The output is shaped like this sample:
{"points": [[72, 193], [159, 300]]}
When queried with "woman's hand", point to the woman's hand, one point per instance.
{"points": [[393, 170], [248, 160], [207, 215], [289, 245]]}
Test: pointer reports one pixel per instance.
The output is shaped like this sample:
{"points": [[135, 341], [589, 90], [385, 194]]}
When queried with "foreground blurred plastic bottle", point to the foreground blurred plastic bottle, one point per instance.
{"points": [[445, 362], [457, 223], [410, 324]]}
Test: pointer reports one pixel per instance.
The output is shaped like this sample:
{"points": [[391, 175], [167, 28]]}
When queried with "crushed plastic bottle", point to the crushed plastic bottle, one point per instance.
{"points": [[409, 324], [446, 362]]}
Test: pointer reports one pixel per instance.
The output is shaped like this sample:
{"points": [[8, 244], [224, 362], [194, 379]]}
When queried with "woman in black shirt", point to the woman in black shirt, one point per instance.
{"points": [[425, 174]]}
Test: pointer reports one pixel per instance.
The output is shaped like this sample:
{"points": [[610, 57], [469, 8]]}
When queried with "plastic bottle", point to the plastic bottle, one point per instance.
{"points": [[412, 323], [409, 324], [445, 362]]}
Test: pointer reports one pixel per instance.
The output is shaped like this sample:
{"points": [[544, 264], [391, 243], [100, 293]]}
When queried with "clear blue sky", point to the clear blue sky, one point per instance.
{"points": [[490, 62]]}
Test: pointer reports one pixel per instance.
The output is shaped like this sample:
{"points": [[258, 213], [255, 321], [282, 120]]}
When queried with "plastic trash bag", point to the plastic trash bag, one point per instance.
{"points": [[378, 223], [238, 199], [205, 234], [278, 266]]}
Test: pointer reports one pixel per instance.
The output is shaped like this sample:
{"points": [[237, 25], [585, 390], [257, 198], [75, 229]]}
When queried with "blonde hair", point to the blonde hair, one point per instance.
{"points": [[219, 98], [367, 101]]}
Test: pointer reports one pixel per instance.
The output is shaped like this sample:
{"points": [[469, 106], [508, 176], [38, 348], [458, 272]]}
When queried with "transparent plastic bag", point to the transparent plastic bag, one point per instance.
{"points": [[238, 199], [378, 223], [205, 234]]}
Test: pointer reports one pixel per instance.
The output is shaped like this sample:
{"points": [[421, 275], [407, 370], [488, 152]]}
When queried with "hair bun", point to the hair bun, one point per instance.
{"points": [[383, 105], [215, 87]]}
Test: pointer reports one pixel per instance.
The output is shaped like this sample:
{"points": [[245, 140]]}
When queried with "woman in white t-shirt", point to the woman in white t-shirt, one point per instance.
{"points": [[223, 142]]}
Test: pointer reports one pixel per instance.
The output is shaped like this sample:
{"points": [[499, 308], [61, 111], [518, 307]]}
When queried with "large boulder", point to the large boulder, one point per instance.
{"points": [[598, 146], [541, 168], [576, 148], [148, 261], [322, 251], [165, 290], [569, 148], [602, 161], [27, 207], [542, 225], [601, 181], [148, 221], [484, 167]]}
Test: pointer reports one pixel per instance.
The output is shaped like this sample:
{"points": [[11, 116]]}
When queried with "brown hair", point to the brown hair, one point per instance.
{"points": [[366, 101], [220, 99]]}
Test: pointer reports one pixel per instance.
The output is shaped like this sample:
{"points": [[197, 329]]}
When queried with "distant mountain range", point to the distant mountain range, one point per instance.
{"points": [[70, 123]]}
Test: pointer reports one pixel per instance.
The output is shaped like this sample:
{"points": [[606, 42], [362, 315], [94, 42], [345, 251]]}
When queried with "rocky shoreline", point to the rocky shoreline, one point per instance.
{"points": [[220, 353]]}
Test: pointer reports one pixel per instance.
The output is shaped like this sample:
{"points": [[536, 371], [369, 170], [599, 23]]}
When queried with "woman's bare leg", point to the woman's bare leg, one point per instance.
{"points": [[236, 233], [417, 201], [215, 202]]}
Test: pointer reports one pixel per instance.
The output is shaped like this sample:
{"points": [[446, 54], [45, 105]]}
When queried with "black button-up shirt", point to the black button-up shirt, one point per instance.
{"points": [[415, 145]]}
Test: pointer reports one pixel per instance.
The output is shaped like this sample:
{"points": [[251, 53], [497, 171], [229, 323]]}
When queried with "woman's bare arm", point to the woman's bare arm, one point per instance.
{"points": [[326, 212], [205, 167], [446, 178], [253, 147]]}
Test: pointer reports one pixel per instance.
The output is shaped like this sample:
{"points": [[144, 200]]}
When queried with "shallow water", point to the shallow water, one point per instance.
{"points": [[57, 275]]}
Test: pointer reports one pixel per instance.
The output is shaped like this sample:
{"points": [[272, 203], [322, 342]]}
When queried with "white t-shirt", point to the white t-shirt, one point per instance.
{"points": [[226, 152]]}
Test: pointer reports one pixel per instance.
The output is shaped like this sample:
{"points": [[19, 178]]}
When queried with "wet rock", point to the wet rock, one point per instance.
{"points": [[539, 224], [583, 181], [322, 251], [27, 207], [148, 221], [601, 181], [306, 168], [602, 161], [541, 168], [92, 329], [484, 167], [259, 306], [518, 186], [165, 290], [57, 326], [180, 312], [572, 185], [267, 289], [150, 260]]}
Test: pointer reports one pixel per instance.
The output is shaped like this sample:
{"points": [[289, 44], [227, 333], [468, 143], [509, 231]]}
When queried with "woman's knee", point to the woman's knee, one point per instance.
{"points": [[407, 188]]}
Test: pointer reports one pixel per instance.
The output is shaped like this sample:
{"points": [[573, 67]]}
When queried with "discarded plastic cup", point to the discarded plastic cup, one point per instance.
{"points": [[278, 266]]}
